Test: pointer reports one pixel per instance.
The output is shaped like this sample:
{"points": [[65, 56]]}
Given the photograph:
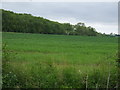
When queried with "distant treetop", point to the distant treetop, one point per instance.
{"points": [[26, 23]]}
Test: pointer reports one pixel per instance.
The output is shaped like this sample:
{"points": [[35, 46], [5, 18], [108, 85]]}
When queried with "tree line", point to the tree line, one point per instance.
{"points": [[26, 23]]}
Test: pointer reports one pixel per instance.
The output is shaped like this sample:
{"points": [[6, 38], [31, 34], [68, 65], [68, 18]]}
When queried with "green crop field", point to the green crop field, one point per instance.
{"points": [[60, 61]]}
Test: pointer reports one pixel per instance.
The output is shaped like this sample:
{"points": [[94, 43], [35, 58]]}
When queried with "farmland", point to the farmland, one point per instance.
{"points": [[60, 61]]}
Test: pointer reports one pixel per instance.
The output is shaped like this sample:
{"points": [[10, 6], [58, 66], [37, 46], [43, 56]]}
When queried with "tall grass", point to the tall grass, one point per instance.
{"points": [[58, 61]]}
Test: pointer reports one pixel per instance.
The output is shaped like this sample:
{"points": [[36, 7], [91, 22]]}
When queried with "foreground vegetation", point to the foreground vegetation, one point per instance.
{"points": [[59, 61]]}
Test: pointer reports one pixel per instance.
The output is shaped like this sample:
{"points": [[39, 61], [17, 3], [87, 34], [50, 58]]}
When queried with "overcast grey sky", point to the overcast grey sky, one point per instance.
{"points": [[101, 15]]}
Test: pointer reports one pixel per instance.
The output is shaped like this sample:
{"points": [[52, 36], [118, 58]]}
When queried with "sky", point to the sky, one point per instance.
{"points": [[103, 16]]}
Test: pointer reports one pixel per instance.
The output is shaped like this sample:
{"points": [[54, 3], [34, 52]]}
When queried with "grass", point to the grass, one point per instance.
{"points": [[61, 61]]}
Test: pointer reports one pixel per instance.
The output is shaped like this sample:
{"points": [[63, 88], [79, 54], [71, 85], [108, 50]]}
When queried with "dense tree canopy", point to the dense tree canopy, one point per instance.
{"points": [[26, 23]]}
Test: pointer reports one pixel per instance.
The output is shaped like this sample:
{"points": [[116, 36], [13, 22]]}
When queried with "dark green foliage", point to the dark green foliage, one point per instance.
{"points": [[9, 79], [26, 23]]}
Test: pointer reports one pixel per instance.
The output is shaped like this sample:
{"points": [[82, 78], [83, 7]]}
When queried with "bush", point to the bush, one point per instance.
{"points": [[9, 79]]}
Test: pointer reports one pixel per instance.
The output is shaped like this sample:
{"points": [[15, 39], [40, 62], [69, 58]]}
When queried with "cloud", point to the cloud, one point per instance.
{"points": [[60, 0], [105, 28]]}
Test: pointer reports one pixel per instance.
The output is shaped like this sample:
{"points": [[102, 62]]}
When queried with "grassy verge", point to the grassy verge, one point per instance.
{"points": [[58, 61]]}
